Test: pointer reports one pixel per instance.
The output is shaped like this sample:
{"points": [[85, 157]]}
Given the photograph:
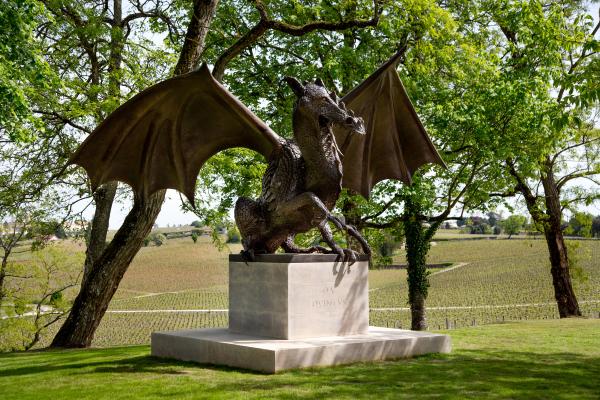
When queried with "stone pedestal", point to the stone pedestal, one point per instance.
{"points": [[296, 310], [293, 297]]}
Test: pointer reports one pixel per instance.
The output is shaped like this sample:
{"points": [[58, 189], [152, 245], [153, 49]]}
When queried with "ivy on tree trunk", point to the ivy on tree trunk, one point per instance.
{"points": [[417, 246]]}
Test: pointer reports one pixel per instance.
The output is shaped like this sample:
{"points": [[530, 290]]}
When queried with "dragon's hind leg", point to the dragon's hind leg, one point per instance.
{"points": [[251, 223]]}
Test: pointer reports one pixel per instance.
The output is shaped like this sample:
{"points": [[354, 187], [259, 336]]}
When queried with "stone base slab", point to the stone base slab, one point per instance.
{"points": [[222, 347], [296, 296]]}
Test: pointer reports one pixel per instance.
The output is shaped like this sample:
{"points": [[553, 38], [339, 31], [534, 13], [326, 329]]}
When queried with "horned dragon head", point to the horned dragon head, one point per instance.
{"points": [[324, 106]]}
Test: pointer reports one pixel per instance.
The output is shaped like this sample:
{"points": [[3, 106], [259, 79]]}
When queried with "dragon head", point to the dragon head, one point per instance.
{"points": [[324, 106]]}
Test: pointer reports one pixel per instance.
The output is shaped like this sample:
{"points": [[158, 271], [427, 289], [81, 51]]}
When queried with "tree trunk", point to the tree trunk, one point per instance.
{"points": [[3, 267], [417, 246], [561, 278], [105, 195], [95, 295], [103, 198], [108, 270], [418, 319], [559, 261], [193, 45]]}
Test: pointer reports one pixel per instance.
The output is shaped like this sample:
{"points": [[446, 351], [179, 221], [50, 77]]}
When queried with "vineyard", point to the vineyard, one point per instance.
{"points": [[183, 285]]}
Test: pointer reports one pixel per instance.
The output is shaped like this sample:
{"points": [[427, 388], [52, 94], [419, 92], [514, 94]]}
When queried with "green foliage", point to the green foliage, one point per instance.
{"points": [[384, 244], [56, 299], [417, 246], [23, 69], [233, 235], [481, 228], [580, 224], [194, 236], [196, 224], [513, 224], [34, 296], [158, 239], [536, 120]]}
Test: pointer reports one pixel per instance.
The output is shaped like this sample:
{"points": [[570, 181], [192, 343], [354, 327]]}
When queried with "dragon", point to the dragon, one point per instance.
{"points": [[161, 137]]}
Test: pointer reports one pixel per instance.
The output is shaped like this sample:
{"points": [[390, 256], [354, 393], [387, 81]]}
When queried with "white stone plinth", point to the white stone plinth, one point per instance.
{"points": [[287, 296], [293, 311], [222, 347]]}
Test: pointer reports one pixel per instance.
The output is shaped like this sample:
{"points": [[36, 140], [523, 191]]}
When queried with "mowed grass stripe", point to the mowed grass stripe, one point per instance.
{"points": [[557, 359]]}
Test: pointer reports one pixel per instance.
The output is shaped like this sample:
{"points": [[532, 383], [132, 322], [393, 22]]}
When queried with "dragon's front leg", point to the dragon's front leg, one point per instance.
{"points": [[351, 231], [322, 215], [290, 247], [346, 254]]}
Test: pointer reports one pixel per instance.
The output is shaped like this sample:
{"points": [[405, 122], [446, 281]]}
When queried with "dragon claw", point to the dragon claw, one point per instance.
{"points": [[337, 222], [248, 256], [347, 255]]}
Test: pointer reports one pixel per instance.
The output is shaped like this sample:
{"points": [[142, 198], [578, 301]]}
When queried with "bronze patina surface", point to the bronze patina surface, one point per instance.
{"points": [[160, 139]]}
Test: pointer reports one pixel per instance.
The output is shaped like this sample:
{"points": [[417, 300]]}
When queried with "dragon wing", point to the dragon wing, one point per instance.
{"points": [[396, 143], [161, 137]]}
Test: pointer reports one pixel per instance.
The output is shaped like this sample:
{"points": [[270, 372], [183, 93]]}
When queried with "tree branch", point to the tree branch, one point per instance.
{"points": [[575, 64], [63, 119], [266, 23], [582, 174]]}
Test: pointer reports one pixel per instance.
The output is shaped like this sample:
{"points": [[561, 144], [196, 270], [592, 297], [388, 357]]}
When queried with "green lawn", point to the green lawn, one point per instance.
{"points": [[558, 359]]}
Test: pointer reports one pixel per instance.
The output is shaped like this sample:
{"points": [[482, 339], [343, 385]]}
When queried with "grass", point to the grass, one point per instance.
{"points": [[557, 359]]}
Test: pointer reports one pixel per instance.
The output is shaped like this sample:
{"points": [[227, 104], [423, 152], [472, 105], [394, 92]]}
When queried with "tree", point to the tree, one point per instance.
{"points": [[513, 224], [596, 227], [31, 209], [580, 224], [108, 267], [417, 245], [539, 109], [37, 300]]}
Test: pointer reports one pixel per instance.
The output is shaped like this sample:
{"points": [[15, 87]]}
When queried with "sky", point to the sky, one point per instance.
{"points": [[172, 214]]}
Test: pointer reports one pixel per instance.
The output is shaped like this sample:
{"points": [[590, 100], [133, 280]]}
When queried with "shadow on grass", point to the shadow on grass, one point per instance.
{"points": [[506, 374], [108, 360]]}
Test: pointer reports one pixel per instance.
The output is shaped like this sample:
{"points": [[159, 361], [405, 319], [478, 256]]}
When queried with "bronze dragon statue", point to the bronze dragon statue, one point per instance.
{"points": [[161, 137]]}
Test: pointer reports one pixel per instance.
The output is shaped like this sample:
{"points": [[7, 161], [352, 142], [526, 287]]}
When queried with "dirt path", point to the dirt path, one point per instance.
{"points": [[225, 310], [221, 310], [459, 265]]}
